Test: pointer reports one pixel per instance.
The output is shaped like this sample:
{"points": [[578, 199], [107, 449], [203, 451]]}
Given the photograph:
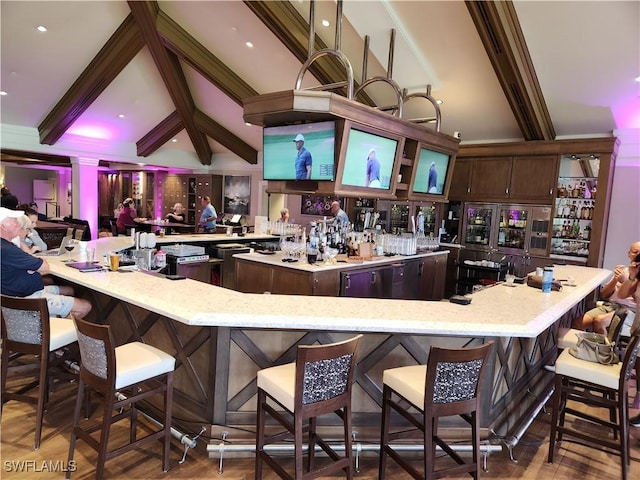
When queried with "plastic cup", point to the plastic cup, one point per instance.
{"points": [[114, 261]]}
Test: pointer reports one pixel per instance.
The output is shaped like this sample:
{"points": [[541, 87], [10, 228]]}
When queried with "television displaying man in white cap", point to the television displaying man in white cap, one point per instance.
{"points": [[303, 160]]}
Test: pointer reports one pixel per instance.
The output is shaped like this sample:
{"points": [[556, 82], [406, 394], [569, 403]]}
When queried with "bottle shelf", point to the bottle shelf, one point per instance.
{"points": [[565, 239]]}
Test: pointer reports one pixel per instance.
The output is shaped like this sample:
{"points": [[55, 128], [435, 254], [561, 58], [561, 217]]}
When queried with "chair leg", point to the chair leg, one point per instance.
{"points": [[109, 400], [429, 458], [384, 431], [4, 371], [554, 416], [312, 444], [260, 433], [168, 406], [43, 390], [348, 452], [298, 439], [475, 432], [623, 415], [75, 426]]}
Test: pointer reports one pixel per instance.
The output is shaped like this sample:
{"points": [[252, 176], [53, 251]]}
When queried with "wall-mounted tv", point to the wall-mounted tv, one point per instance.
{"points": [[299, 152], [368, 161], [431, 174]]}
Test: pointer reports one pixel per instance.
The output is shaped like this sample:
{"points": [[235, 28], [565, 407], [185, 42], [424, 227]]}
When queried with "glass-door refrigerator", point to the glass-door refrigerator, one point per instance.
{"points": [[514, 230], [478, 221]]}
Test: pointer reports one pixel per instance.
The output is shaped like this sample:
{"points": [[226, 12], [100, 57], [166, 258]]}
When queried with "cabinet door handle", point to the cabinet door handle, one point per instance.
{"points": [[550, 191], [420, 268], [373, 277], [347, 283], [506, 191]]}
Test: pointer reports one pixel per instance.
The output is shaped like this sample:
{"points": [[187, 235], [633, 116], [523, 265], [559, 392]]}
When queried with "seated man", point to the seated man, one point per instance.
{"points": [[21, 273], [599, 318]]}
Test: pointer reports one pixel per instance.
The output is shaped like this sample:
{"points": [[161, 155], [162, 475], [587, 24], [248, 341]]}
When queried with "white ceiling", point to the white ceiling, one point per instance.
{"points": [[586, 56]]}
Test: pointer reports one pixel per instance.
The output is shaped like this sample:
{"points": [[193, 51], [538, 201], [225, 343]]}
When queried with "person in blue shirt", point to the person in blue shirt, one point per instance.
{"points": [[340, 217], [373, 170], [21, 273], [209, 215], [432, 186], [303, 160]]}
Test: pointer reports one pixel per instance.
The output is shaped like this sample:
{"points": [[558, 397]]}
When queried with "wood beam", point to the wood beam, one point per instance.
{"points": [[499, 29], [293, 31], [120, 49], [34, 158], [226, 138], [192, 52], [159, 135], [145, 14]]}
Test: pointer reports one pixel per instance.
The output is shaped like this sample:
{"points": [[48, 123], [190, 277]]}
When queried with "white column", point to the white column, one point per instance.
{"points": [[84, 184]]}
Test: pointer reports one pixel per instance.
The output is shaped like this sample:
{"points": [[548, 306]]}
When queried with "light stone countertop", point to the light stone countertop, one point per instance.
{"points": [[276, 260], [502, 311]]}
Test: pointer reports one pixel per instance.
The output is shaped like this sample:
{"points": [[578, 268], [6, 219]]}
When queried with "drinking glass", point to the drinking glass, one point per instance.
{"points": [[70, 245]]}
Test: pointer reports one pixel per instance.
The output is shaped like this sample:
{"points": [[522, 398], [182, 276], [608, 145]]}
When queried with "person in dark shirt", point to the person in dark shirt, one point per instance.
{"points": [[8, 200], [177, 215], [21, 273]]}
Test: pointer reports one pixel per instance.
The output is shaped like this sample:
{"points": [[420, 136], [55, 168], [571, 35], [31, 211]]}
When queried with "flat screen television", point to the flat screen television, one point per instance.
{"points": [[432, 174], [369, 160], [299, 152]]}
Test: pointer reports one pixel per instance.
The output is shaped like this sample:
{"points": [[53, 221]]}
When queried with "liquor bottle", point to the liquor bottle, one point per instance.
{"points": [[576, 229]]}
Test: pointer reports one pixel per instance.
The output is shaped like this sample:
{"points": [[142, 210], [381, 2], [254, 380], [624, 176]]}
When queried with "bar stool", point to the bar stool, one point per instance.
{"points": [[27, 329], [577, 380], [135, 371], [318, 382], [450, 384]]}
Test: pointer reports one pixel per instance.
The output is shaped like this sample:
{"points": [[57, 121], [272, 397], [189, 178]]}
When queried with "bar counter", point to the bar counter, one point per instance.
{"points": [[221, 338], [520, 311]]}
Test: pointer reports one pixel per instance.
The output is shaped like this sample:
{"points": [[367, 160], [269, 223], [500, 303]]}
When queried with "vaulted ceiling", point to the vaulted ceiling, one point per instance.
{"points": [[177, 71]]}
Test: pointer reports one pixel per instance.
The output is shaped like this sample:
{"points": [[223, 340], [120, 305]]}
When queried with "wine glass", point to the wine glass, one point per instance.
{"points": [[69, 245]]}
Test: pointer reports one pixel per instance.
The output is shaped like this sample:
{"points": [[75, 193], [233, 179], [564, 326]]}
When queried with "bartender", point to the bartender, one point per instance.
{"points": [[340, 217]]}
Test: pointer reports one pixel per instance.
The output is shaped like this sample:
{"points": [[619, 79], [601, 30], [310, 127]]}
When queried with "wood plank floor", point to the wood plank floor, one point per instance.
{"points": [[573, 461]]}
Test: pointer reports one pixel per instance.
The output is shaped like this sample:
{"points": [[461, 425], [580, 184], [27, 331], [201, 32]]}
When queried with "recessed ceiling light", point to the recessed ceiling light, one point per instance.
{"points": [[174, 140], [637, 79], [439, 102], [247, 124], [3, 93], [325, 23], [249, 44], [121, 115], [41, 28]]}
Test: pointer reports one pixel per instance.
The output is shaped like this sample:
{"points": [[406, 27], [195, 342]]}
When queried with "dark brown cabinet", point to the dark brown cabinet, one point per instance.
{"points": [[461, 180], [433, 276], [533, 179], [490, 178], [362, 284], [408, 278], [521, 179]]}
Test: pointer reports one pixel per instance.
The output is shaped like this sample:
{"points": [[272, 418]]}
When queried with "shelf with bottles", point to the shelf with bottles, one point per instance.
{"points": [[570, 247], [572, 229], [577, 187], [569, 208]]}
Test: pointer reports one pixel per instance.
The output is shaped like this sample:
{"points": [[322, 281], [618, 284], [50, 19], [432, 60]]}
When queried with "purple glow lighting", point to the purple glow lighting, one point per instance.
{"points": [[91, 132]]}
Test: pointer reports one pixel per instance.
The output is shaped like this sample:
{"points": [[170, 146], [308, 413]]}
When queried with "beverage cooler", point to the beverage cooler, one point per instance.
{"points": [[510, 229]]}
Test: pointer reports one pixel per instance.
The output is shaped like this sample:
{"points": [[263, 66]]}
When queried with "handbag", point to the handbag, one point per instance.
{"points": [[595, 347]]}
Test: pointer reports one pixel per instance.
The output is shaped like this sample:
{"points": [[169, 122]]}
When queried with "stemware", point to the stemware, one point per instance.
{"points": [[69, 245]]}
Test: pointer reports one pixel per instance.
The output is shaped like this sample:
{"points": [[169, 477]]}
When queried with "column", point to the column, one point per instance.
{"points": [[84, 184]]}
